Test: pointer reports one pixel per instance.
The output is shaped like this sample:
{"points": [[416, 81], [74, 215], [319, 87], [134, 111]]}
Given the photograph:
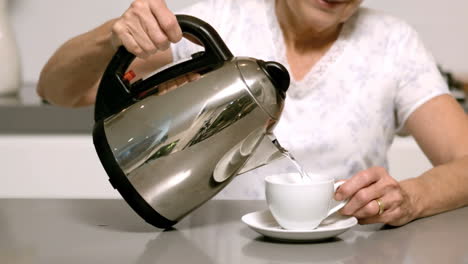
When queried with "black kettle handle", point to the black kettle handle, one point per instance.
{"points": [[115, 93]]}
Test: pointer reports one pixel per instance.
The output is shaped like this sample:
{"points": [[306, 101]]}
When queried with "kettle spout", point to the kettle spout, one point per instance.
{"points": [[256, 150], [267, 151]]}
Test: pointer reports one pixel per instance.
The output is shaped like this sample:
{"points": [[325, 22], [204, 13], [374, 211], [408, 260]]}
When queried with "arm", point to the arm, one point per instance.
{"points": [[441, 129], [71, 76], [440, 126]]}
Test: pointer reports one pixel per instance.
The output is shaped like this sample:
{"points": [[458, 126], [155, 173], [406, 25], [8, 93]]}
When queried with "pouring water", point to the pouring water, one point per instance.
{"points": [[291, 158]]}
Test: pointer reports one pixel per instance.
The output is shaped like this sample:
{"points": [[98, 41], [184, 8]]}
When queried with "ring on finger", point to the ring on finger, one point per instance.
{"points": [[381, 206]]}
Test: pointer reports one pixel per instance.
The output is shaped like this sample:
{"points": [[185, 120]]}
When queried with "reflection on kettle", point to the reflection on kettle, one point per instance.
{"points": [[166, 248], [247, 155], [168, 154], [137, 150]]}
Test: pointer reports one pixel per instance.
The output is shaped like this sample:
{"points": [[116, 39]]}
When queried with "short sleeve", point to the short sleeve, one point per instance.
{"points": [[419, 78]]}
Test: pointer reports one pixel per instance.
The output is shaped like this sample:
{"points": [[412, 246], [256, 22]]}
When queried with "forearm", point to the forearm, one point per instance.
{"points": [[440, 189], [71, 75]]}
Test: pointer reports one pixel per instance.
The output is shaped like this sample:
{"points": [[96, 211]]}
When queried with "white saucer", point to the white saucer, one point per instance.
{"points": [[264, 223]]}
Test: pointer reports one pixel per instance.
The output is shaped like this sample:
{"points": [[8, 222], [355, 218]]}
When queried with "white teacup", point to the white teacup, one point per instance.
{"points": [[301, 204]]}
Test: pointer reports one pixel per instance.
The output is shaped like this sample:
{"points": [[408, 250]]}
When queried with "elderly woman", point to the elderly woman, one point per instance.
{"points": [[359, 77]]}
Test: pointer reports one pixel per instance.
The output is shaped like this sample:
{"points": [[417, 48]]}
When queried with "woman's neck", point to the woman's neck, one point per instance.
{"points": [[303, 38], [305, 44]]}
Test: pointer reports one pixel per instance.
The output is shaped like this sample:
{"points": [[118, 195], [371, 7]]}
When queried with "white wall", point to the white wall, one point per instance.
{"points": [[443, 26], [42, 25]]}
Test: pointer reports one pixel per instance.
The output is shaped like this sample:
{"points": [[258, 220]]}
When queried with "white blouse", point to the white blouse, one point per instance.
{"points": [[341, 118]]}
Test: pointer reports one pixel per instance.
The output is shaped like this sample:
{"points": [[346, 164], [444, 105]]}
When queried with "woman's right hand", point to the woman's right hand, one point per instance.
{"points": [[147, 27]]}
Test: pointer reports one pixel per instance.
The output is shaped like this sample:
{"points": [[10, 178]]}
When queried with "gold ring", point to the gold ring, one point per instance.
{"points": [[381, 206]]}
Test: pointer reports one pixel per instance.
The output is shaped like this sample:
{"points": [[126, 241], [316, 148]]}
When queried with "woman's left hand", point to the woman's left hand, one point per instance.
{"points": [[375, 197]]}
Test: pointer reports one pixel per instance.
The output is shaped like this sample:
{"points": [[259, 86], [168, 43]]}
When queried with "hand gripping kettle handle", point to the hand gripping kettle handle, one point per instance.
{"points": [[115, 93]]}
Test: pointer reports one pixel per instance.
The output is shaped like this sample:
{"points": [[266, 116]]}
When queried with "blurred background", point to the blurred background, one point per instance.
{"points": [[47, 152], [41, 26]]}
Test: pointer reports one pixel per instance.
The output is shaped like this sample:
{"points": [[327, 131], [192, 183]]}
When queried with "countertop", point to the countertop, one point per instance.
{"points": [[107, 231]]}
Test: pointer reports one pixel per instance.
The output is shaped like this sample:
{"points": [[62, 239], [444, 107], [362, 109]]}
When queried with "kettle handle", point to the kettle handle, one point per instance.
{"points": [[110, 99]]}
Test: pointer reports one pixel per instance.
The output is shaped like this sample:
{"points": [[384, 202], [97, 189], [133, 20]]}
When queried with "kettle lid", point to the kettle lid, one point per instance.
{"points": [[277, 74]]}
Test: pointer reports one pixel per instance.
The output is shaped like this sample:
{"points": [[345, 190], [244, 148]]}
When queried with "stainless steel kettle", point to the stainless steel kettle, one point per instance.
{"points": [[168, 154]]}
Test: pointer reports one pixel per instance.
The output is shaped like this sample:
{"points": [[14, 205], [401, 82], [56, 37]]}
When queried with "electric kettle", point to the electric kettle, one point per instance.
{"points": [[168, 154]]}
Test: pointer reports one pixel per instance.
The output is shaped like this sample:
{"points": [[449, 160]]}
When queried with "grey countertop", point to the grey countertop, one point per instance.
{"points": [[107, 231], [25, 113]]}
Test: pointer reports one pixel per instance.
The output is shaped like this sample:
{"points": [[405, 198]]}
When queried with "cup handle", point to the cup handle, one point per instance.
{"points": [[337, 205]]}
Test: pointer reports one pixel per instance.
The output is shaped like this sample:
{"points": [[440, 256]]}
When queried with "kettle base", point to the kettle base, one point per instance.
{"points": [[120, 182]]}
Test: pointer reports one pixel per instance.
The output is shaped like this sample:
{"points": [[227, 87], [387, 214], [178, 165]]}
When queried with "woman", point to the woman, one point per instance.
{"points": [[358, 78]]}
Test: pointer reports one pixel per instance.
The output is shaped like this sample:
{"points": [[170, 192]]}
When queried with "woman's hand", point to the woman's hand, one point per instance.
{"points": [[177, 82], [367, 189], [146, 27]]}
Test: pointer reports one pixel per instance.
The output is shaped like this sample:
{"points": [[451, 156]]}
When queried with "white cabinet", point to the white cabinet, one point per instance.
{"points": [[52, 166]]}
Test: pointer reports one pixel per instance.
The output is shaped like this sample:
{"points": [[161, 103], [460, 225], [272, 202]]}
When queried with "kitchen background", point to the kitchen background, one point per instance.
{"points": [[65, 165]]}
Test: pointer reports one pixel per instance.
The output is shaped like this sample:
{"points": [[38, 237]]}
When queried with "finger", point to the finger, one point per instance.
{"points": [[122, 37], [386, 217], [167, 21], [392, 200], [356, 183], [155, 33], [171, 85], [175, 83], [391, 203], [387, 202], [131, 23], [363, 197], [369, 210], [162, 89], [182, 80], [193, 76], [167, 86], [193, 39], [141, 37]]}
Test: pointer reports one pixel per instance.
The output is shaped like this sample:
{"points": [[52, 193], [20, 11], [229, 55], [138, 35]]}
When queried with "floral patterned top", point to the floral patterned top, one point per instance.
{"points": [[341, 118]]}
